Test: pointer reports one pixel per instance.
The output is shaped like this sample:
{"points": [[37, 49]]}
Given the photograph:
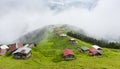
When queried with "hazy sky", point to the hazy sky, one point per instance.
{"points": [[20, 16]]}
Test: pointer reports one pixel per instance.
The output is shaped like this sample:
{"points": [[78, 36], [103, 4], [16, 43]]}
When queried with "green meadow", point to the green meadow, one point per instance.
{"points": [[48, 55]]}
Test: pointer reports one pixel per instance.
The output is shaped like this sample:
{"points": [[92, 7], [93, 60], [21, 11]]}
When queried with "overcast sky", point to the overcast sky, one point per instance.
{"points": [[20, 16]]}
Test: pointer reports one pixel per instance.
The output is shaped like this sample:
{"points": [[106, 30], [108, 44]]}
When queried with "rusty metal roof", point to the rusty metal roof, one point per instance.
{"points": [[68, 52], [24, 50]]}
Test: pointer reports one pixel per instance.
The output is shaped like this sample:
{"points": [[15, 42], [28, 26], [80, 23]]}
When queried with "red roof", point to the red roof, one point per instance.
{"points": [[68, 52], [15, 46], [93, 51]]}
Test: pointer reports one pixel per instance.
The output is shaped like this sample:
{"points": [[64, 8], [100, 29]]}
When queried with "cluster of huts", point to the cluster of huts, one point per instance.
{"points": [[18, 50], [68, 54], [22, 51], [59, 32], [95, 50]]}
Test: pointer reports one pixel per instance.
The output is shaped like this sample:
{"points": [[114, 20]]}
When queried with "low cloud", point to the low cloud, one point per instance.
{"points": [[21, 16]]}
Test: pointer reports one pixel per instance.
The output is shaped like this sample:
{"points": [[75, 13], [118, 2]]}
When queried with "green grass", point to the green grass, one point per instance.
{"points": [[48, 55]]}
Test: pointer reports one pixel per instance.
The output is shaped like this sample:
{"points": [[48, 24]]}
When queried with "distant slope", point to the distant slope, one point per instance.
{"points": [[37, 35], [34, 36]]}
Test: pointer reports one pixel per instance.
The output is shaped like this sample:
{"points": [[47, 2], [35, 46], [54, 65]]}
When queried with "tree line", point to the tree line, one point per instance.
{"points": [[102, 43]]}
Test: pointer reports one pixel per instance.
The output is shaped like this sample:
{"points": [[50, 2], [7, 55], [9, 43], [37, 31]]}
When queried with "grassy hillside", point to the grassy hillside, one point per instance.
{"points": [[48, 55]]}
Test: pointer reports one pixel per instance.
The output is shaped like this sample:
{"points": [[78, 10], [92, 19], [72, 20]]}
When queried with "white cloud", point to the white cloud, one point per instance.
{"points": [[26, 15]]}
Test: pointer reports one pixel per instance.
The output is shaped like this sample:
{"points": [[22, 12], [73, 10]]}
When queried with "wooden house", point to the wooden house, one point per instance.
{"points": [[73, 41], [84, 49], [68, 54], [3, 49], [63, 35], [22, 53], [57, 33], [94, 52], [15, 46]]}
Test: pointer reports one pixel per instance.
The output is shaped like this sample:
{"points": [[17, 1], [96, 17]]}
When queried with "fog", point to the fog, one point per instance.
{"points": [[18, 17]]}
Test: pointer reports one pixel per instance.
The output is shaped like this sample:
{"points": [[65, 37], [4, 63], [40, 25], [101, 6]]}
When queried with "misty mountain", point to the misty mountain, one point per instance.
{"points": [[37, 35], [75, 29], [34, 36]]}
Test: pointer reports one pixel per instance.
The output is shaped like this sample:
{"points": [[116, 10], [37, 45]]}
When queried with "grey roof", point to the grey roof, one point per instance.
{"points": [[72, 39], [63, 35], [96, 46], [27, 50]]}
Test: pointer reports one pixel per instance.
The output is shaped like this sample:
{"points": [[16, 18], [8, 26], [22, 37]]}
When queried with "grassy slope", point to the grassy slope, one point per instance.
{"points": [[47, 55]]}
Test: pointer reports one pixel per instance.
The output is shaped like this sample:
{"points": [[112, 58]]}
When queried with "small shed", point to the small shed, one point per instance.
{"points": [[55, 29], [97, 47], [73, 41], [84, 49], [68, 54], [22, 53], [15, 46], [63, 35], [3, 49], [57, 33], [94, 52]]}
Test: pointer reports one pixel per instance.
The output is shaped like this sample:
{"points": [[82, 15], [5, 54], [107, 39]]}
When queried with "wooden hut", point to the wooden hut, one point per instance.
{"points": [[73, 41], [15, 46], [84, 49], [57, 33], [68, 54], [3, 49], [94, 52], [22, 53], [63, 35]]}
